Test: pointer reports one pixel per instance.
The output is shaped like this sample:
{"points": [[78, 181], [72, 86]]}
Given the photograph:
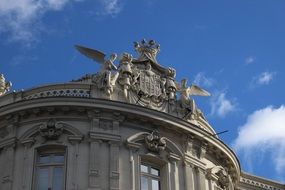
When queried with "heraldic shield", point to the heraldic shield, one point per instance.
{"points": [[150, 84]]}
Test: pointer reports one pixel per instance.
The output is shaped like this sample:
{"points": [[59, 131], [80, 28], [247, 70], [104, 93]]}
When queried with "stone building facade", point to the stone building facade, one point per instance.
{"points": [[127, 128]]}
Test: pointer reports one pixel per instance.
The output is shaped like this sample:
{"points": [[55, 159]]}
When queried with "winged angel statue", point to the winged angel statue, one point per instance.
{"points": [[105, 79], [185, 96]]}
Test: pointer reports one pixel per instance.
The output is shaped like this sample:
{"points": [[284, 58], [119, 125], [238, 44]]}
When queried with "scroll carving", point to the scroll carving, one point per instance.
{"points": [[51, 130], [154, 142]]}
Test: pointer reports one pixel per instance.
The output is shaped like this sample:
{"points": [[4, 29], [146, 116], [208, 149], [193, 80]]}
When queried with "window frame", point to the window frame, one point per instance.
{"points": [[150, 177], [50, 150], [156, 162]]}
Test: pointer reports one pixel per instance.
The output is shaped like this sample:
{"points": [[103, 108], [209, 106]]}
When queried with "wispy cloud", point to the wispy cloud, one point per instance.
{"points": [[111, 7], [264, 133], [200, 79], [221, 105], [20, 20], [262, 79], [265, 78], [250, 60]]}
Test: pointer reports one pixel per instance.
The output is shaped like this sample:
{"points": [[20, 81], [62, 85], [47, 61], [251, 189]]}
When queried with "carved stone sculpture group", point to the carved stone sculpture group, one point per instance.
{"points": [[143, 80]]}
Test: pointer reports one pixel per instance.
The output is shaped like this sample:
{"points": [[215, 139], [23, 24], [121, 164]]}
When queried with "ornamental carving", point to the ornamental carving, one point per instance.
{"points": [[4, 86], [142, 81], [82, 93], [187, 102], [147, 50], [221, 176], [51, 130], [106, 78], [154, 142], [125, 73], [223, 179]]}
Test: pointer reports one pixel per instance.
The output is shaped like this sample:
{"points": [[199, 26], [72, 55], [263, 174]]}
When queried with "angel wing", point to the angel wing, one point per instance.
{"points": [[8, 85], [197, 91], [96, 55]]}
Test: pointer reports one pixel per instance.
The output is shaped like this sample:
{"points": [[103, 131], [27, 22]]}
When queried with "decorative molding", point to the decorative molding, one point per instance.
{"points": [[28, 142], [104, 136], [11, 142], [255, 183], [190, 160], [173, 157], [82, 93], [74, 139]]}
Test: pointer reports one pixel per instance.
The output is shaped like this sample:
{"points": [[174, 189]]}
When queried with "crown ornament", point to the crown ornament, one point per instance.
{"points": [[147, 50]]}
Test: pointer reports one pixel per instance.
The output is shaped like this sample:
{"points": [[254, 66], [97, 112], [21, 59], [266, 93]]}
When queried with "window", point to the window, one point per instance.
{"points": [[150, 177], [50, 169]]}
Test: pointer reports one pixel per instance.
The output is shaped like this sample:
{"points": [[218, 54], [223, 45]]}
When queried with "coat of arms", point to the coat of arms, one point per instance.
{"points": [[149, 82]]}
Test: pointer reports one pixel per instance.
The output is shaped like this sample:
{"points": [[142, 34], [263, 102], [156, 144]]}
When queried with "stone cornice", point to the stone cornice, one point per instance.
{"points": [[104, 136], [82, 90], [249, 180]]}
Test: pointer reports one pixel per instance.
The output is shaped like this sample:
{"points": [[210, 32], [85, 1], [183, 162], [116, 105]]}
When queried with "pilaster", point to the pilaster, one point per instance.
{"points": [[104, 128], [114, 165], [74, 141], [189, 178], [27, 164], [9, 159], [94, 165], [173, 171], [201, 174]]}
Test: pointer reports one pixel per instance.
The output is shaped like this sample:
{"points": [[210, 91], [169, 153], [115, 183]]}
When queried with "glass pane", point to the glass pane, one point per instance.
{"points": [[154, 171], [44, 159], [42, 183], [144, 169], [155, 184], [58, 159], [57, 182], [144, 183]]}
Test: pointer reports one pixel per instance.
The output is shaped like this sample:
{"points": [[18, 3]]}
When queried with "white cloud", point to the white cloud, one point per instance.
{"points": [[250, 60], [262, 79], [221, 105], [201, 80], [110, 7], [263, 133], [265, 78], [20, 19]]}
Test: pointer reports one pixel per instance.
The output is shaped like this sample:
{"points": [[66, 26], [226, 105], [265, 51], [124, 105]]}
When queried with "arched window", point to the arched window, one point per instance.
{"points": [[50, 167]]}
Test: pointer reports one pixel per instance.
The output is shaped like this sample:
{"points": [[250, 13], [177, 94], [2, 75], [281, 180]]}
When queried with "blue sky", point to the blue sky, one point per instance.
{"points": [[234, 49]]}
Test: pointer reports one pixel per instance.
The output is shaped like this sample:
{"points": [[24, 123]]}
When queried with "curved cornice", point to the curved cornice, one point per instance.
{"points": [[129, 109], [89, 90]]}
